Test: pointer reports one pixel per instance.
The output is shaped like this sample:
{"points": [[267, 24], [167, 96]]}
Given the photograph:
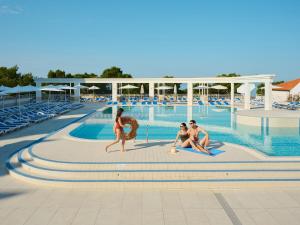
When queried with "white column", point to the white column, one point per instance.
{"points": [[77, 91], [232, 95], [151, 90], [268, 95], [114, 90], [38, 93], [247, 96], [190, 93]]}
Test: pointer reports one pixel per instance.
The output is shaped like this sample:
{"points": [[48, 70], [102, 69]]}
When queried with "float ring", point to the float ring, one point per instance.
{"points": [[133, 125]]}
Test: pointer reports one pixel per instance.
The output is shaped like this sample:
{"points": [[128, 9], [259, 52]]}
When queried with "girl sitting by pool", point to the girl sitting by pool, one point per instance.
{"points": [[118, 130], [184, 136]]}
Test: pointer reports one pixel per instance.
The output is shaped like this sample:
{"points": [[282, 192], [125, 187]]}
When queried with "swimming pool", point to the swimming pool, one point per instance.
{"points": [[162, 123]]}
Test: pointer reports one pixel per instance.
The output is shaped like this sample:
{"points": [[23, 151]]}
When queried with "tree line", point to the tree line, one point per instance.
{"points": [[10, 76], [112, 72]]}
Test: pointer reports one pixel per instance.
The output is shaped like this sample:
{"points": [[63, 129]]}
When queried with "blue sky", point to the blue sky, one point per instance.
{"points": [[152, 38]]}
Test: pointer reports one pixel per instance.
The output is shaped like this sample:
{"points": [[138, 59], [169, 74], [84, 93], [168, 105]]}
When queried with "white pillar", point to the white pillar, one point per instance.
{"points": [[247, 96], [232, 95], [114, 90], [77, 91], [268, 95], [151, 90], [38, 93], [190, 93]]}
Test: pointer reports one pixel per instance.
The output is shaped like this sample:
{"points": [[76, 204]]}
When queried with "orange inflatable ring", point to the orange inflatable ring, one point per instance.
{"points": [[134, 126]]}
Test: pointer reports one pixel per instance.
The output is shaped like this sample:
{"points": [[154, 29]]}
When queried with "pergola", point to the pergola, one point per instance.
{"points": [[267, 79]]}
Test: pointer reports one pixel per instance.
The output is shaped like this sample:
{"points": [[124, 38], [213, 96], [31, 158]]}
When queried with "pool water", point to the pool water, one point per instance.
{"points": [[162, 123]]}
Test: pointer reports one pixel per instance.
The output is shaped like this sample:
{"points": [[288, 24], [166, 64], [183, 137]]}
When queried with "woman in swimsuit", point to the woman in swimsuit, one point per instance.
{"points": [[184, 136], [118, 130]]}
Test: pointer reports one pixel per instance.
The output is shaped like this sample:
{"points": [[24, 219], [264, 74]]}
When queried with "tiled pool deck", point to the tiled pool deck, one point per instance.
{"points": [[22, 203]]}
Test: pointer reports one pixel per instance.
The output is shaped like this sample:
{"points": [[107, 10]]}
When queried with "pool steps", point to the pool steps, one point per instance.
{"points": [[27, 166]]}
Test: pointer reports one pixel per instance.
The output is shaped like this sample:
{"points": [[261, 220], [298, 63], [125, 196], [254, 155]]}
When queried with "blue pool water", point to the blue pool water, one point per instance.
{"points": [[162, 123]]}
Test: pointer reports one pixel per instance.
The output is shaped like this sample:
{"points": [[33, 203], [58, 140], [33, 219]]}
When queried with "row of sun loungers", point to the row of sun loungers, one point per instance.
{"points": [[14, 118], [289, 106]]}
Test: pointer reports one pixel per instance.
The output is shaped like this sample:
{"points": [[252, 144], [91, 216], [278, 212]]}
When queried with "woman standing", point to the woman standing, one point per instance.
{"points": [[118, 130]]}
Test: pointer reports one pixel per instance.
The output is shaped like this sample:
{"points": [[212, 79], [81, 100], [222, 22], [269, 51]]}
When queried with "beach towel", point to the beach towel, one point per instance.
{"points": [[214, 151]]}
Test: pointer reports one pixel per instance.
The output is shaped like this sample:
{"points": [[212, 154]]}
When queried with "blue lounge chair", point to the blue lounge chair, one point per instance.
{"points": [[200, 103]]}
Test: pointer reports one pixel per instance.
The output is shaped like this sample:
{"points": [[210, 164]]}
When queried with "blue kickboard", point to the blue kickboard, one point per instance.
{"points": [[212, 150]]}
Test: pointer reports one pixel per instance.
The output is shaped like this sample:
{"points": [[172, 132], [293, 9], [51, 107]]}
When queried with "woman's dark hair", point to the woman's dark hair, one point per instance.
{"points": [[119, 113], [183, 125]]}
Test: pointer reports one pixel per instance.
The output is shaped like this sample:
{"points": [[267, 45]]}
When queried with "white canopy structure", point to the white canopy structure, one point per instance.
{"points": [[267, 79]]}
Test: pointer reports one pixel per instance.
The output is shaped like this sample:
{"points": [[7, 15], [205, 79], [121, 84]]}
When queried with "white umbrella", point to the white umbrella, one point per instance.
{"points": [[30, 88], [3, 88], [94, 88], [128, 86], [81, 86], [65, 88], [17, 90], [219, 87], [200, 87], [2, 94], [164, 87], [142, 90], [175, 89], [50, 88]]}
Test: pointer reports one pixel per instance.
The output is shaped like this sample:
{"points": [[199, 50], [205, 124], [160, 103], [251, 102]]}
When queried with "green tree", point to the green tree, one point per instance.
{"points": [[56, 74], [26, 79], [11, 77], [114, 72]]}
